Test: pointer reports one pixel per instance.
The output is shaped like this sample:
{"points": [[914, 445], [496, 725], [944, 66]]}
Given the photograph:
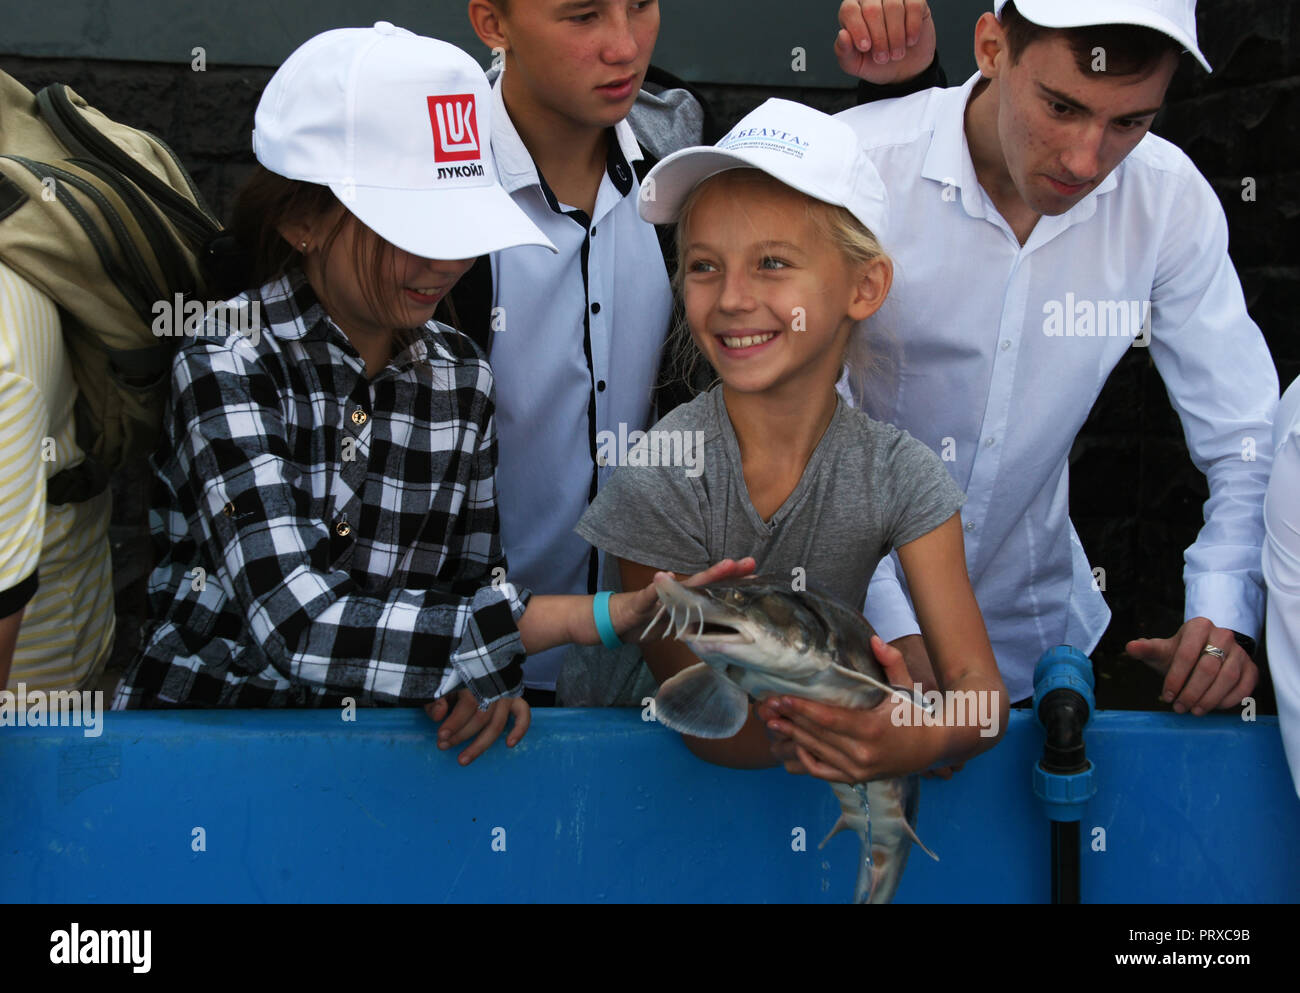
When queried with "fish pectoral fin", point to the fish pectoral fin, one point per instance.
{"points": [[911, 833], [699, 702], [840, 825]]}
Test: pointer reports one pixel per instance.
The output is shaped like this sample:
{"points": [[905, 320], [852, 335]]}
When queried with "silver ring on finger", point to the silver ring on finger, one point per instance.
{"points": [[1214, 650]]}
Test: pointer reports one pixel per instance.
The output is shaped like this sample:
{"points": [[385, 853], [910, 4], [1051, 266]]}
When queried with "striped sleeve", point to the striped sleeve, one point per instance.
{"points": [[24, 424]]}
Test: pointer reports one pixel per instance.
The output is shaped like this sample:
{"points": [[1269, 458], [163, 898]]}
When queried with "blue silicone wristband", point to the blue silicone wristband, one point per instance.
{"points": [[604, 623]]}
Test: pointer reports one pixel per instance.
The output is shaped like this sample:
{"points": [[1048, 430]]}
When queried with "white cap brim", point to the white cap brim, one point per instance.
{"points": [[1095, 12], [676, 175], [443, 224]]}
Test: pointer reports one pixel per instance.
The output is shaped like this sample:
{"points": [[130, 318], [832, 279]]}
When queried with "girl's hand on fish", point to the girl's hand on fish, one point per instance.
{"points": [[466, 721], [634, 611], [847, 744]]}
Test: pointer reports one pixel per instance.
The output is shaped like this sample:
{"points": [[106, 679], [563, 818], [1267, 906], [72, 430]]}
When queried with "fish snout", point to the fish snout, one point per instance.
{"points": [[693, 615]]}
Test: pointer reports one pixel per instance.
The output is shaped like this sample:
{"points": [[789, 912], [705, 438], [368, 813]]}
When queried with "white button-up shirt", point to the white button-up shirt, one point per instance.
{"points": [[575, 352], [1000, 350], [1282, 573]]}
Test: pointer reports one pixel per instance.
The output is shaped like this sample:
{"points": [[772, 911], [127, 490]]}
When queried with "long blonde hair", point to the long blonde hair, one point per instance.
{"points": [[857, 245]]}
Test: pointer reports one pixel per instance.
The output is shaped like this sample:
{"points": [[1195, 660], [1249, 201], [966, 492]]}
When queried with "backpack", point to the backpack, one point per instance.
{"points": [[105, 221]]}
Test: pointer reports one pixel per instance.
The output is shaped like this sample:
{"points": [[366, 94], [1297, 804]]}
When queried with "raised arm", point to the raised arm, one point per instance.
{"points": [[889, 44]]}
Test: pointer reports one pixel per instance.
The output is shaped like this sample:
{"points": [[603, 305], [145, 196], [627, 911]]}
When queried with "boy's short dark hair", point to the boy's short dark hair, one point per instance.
{"points": [[1129, 48]]}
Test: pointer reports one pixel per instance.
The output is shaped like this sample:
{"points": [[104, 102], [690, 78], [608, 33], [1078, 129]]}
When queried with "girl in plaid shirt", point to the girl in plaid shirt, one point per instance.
{"points": [[324, 512]]}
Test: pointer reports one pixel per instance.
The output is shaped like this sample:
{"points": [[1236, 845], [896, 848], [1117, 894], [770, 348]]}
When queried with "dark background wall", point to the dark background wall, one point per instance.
{"points": [[1135, 495]]}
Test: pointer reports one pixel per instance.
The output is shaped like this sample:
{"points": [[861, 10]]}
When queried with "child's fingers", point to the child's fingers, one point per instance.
{"points": [[892, 661], [471, 727], [465, 720], [785, 751], [835, 752], [821, 769], [825, 718], [713, 572], [452, 711], [726, 569], [767, 709], [437, 709], [630, 612], [523, 721], [491, 730]]}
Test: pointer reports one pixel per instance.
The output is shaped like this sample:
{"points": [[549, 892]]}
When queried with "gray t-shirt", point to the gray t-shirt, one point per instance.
{"points": [[868, 487]]}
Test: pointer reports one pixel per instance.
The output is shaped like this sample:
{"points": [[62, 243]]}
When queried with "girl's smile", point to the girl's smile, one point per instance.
{"points": [[425, 296], [741, 343], [769, 298]]}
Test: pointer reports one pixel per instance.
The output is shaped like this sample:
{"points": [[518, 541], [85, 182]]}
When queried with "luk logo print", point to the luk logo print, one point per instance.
{"points": [[455, 128]]}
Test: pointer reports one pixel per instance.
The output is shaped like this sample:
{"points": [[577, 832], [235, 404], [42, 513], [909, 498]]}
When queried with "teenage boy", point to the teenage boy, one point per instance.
{"points": [[1068, 233], [575, 338]]}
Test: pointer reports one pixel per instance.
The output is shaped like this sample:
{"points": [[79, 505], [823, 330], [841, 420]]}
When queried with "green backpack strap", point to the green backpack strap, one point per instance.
{"points": [[84, 141], [122, 229]]}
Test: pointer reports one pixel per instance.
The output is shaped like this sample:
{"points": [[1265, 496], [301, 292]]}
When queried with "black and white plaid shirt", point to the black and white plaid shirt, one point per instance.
{"points": [[321, 535]]}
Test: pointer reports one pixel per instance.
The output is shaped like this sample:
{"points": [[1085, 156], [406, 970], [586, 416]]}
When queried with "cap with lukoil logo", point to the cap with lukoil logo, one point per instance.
{"points": [[398, 126], [805, 149], [1175, 18]]}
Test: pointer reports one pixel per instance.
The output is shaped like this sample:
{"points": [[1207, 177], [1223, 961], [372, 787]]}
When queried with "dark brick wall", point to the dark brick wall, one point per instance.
{"points": [[1136, 496]]}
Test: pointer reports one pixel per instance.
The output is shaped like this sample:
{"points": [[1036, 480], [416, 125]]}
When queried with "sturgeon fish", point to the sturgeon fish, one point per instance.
{"points": [[759, 638]]}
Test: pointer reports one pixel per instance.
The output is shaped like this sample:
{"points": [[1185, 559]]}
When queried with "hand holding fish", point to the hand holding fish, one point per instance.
{"points": [[918, 662], [849, 744]]}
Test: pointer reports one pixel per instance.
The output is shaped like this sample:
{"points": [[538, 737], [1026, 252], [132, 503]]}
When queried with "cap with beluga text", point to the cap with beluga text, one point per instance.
{"points": [[802, 147], [398, 126]]}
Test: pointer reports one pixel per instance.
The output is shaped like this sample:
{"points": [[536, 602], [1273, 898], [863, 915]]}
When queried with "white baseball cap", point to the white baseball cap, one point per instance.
{"points": [[802, 147], [399, 127], [1175, 18]]}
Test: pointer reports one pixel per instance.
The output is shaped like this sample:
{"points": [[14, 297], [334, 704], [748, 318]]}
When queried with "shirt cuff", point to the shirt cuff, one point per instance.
{"points": [[887, 608], [1229, 602], [928, 78], [490, 657]]}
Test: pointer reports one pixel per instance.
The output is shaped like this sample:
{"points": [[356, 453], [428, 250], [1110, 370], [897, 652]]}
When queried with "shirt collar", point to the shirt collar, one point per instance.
{"points": [[949, 161], [516, 168], [293, 312], [291, 308]]}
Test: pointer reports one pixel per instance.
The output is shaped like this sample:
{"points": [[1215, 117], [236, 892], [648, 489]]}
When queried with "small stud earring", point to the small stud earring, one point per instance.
{"points": [[302, 246]]}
